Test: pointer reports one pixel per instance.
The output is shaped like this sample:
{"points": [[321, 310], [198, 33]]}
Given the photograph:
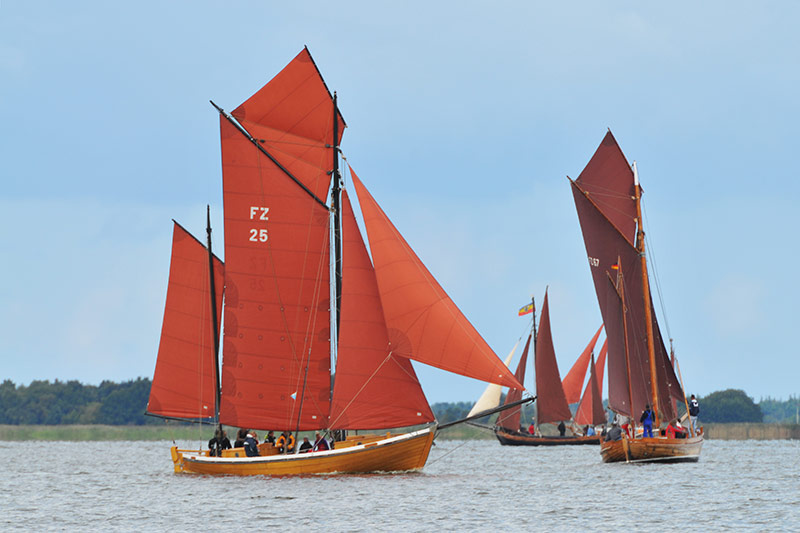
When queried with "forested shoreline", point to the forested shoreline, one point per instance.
{"points": [[73, 403]]}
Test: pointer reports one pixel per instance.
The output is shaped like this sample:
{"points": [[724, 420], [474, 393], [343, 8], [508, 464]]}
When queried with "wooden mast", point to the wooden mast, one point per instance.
{"points": [[214, 319], [621, 292], [536, 407], [651, 352]]}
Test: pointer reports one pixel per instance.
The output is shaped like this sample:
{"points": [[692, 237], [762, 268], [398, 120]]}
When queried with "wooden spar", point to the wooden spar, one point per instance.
{"points": [[535, 334], [486, 413], [621, 292], [214, 318], [651, 351], [685, 401]]}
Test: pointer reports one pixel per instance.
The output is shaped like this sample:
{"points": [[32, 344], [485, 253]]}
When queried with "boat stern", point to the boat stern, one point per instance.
{"points": [[177, 459]]}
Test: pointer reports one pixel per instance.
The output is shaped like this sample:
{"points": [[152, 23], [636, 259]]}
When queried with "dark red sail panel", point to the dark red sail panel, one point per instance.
{"points": [[292, 116], [610, 254], [551, 402], [185, 379], [573, 382], [276, 349], [509, 419], [601, 365], [608, 181], [424, 323], [373, 388], [590, 410]]}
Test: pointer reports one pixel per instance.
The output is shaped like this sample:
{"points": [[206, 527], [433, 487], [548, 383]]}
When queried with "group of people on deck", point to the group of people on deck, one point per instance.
{"points": [[248, 439], [674, 429]]}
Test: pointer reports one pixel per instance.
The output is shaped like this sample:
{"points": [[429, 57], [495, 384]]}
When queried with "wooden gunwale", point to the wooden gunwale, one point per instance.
{"points": [[404, 452], [510, 439]]}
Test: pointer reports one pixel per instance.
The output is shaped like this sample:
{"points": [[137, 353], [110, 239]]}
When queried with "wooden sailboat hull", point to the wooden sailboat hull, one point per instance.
{"points": [[392, 454], [652, 450], [519, 439]]}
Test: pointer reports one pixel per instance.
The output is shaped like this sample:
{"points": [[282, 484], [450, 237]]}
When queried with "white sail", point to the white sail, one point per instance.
{"points": [[491, 396]]}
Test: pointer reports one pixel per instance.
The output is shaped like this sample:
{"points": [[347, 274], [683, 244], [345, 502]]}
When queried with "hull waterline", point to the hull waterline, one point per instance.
{"points": [[399, 453]]}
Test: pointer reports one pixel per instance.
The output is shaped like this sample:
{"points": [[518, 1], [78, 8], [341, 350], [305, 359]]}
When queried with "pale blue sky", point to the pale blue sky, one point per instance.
{"points": [[464, 119]]}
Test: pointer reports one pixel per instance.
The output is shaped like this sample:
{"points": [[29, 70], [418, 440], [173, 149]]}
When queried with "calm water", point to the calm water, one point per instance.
{"points": [[466, 486]]}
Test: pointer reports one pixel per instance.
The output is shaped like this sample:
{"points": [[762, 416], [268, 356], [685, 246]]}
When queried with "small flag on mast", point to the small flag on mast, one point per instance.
{"points": [[615, 266], [526, 310]]}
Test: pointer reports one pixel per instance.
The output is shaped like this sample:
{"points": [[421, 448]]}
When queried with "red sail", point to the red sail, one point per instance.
{"points": [[509, 419], [292, 118], [424, 323], [603, 195], [276, 352], [601, 365], [185, 380], [373, 387], [590, 410], [550, 400], [574, 380], [608, 181]]}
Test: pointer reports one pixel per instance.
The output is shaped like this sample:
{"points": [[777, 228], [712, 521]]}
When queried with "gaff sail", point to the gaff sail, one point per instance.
{"points": [[551, 404], [573, 381], [185, 379]]}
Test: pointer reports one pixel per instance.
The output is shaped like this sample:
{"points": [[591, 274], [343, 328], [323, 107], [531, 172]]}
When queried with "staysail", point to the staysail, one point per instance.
{"points": [[573, 382], [605, 199], [373, 387], [551, 404], [509, 419], [590, 410], [424, 323], [185, 380]]}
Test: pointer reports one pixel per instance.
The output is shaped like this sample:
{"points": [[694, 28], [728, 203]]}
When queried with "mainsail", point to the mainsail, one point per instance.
{"points": [[276, 351], [590, 411], [605, 198], [551, 404], [573, 381], [185, 380]]}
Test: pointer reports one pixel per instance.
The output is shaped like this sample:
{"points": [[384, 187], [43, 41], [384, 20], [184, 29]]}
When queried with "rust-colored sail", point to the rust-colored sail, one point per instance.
{"points": [[509, 419], [604, 199], [550, 400], [601, 365], [185, 380], [424, 323], [276, 350], [573, 382], [292, 118], [373, 387], [590, 410]]}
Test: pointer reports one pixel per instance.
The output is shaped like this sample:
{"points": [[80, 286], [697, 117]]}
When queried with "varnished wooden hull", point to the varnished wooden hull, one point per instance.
{"points": [[393, 454], [651, 450], [519, 439]]}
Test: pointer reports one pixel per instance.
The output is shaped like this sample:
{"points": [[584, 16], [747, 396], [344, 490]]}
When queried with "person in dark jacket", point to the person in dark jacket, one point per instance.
{"points": [[306, 446], [562, 429], [240, 436], [271, 438], [218, 443], [647, 419], [251, 445], [615, 433], [694, 411]]}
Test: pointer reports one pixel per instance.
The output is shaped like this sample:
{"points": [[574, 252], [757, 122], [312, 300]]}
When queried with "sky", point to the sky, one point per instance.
{"points": [[464, 120]]}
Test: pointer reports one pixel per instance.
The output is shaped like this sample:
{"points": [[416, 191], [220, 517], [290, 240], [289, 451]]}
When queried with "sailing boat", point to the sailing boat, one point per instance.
{"points": [[301, 292], [608, 200], [551, 401]]}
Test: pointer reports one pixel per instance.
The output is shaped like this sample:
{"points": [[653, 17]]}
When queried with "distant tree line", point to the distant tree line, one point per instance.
{"points": [[70, 402]]}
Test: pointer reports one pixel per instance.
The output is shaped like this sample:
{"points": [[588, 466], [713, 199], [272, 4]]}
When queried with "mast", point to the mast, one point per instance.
{"points": [[337, 215], [535, 335], [214, 319], [651, 354], [621, 291]]}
